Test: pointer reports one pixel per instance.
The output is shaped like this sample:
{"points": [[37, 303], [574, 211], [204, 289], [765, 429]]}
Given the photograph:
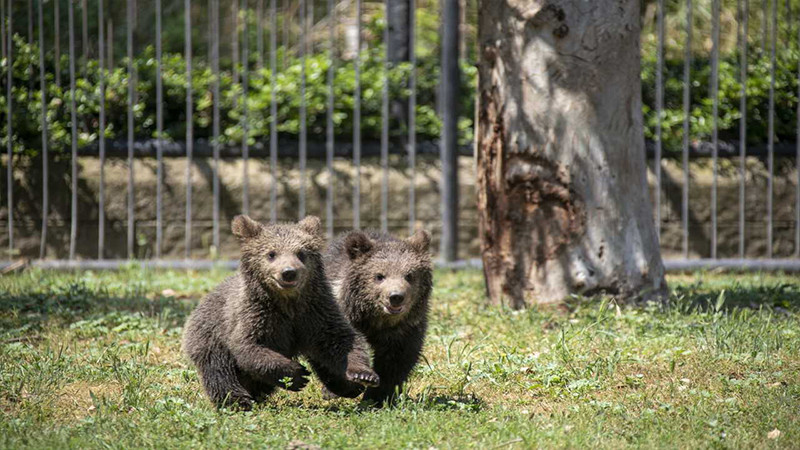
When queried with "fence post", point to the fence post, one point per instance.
{"points": [[187, 36], [412, 117], [73, 229], [101, 220], [131, 77], [357, 124], [449, 141], [687, 83], [329, 136], [10, 129], [45, 154]]}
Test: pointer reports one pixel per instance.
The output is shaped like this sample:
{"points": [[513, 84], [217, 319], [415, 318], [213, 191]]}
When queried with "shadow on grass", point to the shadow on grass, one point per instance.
{"points": [[73, 302], [701, 297], [466, 403]]}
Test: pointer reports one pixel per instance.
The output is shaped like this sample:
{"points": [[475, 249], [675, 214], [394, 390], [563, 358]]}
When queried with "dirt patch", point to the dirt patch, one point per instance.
{"points": [[74, 400]]}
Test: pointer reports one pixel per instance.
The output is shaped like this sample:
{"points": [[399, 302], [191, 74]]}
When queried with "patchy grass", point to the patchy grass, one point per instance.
{"points": [[93, 359]]}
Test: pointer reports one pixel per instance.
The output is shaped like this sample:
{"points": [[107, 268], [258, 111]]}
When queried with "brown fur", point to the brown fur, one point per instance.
{"points": [[244, 336], [366, 270]]}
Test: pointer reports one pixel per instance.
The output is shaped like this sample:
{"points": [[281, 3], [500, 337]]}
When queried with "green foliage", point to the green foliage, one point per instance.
{"points": [[27, 112], [701, 118], [27, 96]]}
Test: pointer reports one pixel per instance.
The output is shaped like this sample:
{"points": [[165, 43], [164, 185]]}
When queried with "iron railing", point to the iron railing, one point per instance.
{"points": [[267, 14]]}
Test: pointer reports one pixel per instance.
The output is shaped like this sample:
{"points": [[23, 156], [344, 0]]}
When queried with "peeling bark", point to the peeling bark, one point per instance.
{"points": [[563, 199]]}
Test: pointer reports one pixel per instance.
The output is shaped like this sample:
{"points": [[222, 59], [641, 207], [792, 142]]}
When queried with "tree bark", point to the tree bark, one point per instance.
{"points": [[563, 198]]}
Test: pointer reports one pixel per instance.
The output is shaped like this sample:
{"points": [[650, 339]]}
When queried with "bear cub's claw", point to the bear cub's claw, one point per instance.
{"points": [[299, 378], [365, 377], [238, 401]]}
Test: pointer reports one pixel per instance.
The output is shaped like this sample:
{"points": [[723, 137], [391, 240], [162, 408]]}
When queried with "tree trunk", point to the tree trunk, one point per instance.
{"points": [[563, 198]]}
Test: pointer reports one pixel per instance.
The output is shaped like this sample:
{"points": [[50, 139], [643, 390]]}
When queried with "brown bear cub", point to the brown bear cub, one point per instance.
{"points": [[383, 285], [244, 336]]}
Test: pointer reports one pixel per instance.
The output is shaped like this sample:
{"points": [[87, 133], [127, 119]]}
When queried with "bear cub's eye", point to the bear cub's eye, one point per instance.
{"points": [[409, 277], [301, 255], [271, 255], [379, 277]]}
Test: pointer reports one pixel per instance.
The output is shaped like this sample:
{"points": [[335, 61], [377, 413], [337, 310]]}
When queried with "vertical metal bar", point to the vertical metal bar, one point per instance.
{"points": [[310, 28], [764, 25], [30, 41], [771, 137], [450, 74], [30, 21], [209, 38], [412, 117], [797, 163], [385, 132], [57, 40], [659, 110], [260, 34], [85, 33], [235, 40], [285, 42], [788, 18], [357, 124], [245, 124], [216, 118], [687, 83], [303, 131], [73, 230], [745, 12], [10, 130], [45, 153], [714, 121], [110, 43], [159, 136], [273, 113], [187, 36], [101, 222], [3, 29], [235, 53], [131, 90], [329, 122]]}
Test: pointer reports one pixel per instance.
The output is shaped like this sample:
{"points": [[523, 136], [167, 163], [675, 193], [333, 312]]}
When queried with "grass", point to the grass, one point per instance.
{"points": [[93, 359]]}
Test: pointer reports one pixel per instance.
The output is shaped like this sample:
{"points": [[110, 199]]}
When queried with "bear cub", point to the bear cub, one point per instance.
{"points": [[245, 335], [383, 285]]}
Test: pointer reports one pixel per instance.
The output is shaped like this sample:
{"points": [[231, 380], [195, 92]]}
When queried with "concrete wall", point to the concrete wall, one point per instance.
{"points": [[28, 200]]}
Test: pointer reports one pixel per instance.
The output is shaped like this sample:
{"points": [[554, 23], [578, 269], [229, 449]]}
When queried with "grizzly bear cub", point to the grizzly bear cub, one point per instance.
{"points": [[244, 336], [383, 285]]}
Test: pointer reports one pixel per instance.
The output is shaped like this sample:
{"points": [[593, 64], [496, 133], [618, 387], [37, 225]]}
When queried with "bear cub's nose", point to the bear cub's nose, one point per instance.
{"points": [[396, 298], [289, 274]]}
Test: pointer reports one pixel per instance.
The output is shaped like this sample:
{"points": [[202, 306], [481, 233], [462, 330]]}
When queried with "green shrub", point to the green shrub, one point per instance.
{"points": [[27, 98], [758, 83]]}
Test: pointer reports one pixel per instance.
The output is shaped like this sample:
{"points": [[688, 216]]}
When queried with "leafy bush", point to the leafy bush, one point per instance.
{"points": [[27, 114], [27, 98], [758, 83]]}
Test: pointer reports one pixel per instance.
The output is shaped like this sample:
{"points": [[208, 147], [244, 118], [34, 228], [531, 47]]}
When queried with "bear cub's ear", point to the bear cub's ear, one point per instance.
{"points": [[245, 228], [420, 241], [357, 244], [311, 225]]}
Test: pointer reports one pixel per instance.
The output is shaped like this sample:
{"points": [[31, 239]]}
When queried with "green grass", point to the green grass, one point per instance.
{"points": [[93, 359]]}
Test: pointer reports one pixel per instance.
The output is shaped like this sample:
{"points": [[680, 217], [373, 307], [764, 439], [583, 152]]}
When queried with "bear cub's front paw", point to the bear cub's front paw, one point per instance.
{"points": [[365, 376], [296, 378]]}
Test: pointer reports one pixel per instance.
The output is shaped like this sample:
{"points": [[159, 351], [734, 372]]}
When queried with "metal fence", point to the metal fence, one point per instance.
{"points": [[265, 54]]}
